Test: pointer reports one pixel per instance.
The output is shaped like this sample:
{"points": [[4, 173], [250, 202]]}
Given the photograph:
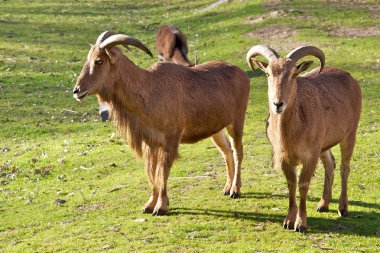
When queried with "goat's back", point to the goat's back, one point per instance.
{"points": [[333, 99], [204, 99]]}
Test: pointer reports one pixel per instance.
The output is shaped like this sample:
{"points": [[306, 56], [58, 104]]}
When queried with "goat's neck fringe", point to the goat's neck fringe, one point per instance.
{"points": [[123, 100], [278, 154], [132, 130], [126, 111]]}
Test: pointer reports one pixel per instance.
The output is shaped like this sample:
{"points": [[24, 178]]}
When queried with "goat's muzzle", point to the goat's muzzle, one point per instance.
{"points": [[279, 107], [78, 94]]}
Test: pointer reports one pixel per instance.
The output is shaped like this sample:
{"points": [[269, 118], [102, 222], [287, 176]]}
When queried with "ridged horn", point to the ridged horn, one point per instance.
{"points": [[104, 36], [301, 52], [269, 53], [124, 40]]}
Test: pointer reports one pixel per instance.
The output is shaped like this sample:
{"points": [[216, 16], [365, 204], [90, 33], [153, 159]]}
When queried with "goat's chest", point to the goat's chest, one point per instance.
{"points": [[286, 144]]}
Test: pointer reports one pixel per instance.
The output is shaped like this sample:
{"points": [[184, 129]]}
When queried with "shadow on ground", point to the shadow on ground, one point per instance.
{"points": [[356, 223]]}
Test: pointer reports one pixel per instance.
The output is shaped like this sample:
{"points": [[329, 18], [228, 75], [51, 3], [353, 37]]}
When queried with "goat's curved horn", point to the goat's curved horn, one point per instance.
{"points": [[300, 52], [124, 40], [269, 53], [104, 36]]}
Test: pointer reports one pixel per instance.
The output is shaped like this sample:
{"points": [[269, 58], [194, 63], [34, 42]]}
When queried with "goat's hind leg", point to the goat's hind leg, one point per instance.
{"points": [[236, 133], [328, 161], [346, 149], [223, 144]]}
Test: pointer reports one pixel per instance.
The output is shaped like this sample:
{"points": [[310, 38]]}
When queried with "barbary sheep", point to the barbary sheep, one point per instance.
{"points": [[171, 45], [168, 104], [309, 115]]}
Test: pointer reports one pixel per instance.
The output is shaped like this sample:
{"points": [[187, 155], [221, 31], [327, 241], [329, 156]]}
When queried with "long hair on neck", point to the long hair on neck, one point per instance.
{"points": [[127, 86]]}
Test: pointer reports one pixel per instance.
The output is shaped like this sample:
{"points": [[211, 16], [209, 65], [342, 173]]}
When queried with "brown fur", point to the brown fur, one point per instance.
{"points": [[168, 104], [171, 45], [319, 112]]}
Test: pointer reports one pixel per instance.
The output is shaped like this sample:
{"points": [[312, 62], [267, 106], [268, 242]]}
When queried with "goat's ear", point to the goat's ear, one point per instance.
{"points": [[259, 64], [303, 66], [111, 55]]}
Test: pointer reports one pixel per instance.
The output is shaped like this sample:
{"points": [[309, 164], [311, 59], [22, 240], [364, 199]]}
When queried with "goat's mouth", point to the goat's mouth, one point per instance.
{"points": [[80, 96], [278, 111]]}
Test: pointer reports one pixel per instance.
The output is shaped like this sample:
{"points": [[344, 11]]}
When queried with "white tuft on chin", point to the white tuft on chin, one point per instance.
{"points": [[80, 96]]}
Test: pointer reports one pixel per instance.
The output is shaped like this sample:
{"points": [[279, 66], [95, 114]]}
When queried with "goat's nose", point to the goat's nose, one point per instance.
{"points": [[278, 104], [76, 90]]}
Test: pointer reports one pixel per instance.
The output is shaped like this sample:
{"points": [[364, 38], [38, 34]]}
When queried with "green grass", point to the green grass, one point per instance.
{"points": [[48, 152]]}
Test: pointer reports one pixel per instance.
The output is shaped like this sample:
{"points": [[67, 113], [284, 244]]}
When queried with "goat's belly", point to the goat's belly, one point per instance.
{"points": [[203, 127], [330, 144], [334, 135], [193, 136]]}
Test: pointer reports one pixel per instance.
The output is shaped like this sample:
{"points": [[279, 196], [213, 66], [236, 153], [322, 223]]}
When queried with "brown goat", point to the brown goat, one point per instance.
{"points": [[309, 115], [168, 104], [171, 45]]}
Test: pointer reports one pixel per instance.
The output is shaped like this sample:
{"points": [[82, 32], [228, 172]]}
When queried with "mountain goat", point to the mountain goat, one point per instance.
{"points": [[168, 104], [308, 115]]}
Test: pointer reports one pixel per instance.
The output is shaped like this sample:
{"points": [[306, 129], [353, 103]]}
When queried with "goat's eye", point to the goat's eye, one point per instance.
{"points": [[98, 61]]}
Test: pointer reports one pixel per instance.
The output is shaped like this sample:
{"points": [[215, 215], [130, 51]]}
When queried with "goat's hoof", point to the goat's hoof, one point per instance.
{"points": [[226, 193], [147, 210], [322, 209], [301, 229], [235, 195], [343, 212], [289, 225], [160, 212]]}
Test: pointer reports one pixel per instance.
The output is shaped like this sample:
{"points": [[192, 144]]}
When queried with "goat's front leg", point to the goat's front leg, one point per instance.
{"points": [[150, 167], [291, 177], [164, 163], [303, 187]]}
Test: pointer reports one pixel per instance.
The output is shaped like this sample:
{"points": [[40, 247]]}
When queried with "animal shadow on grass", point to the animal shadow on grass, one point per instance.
{"points": [[265, 195], [356, 223]]}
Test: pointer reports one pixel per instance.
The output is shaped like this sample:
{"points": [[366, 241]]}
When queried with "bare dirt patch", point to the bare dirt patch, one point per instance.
{"points": [[214, 5], [351, 2], [273, 32], [290, 13], [275, 3], [281, 38], [90, 207], [354, 32], [286, 45]]}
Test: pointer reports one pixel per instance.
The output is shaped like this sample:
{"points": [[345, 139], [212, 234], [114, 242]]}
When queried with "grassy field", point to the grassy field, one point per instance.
{"points": [[69, 184]]}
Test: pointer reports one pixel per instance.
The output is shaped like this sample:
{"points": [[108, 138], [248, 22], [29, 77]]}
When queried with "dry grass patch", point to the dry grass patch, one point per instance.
{"points": [[354, 32], [91, 207], [273, 32], [290, 13]]}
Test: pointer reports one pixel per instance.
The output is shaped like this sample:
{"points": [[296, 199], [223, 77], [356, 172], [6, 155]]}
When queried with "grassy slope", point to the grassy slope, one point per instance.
{"points": [[49, 153]]}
